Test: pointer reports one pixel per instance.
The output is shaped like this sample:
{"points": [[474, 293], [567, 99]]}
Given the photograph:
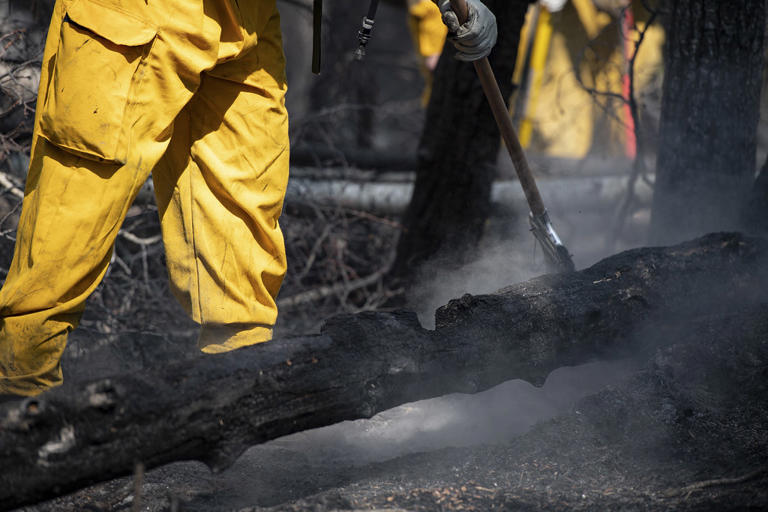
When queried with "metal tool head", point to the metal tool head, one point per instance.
{"points": [[554, 249]]}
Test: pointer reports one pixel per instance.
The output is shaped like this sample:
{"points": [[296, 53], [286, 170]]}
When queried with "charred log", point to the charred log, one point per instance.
{"points": [[212, 408]]}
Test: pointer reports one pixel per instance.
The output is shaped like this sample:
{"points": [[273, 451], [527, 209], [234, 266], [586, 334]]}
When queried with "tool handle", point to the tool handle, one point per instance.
{"points": [[504, 122], [461, 10], [372, 8], [542, 228], [515, 150]]}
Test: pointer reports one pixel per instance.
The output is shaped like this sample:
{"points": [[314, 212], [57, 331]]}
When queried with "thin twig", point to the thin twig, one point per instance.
{"points": [[138, 483], [138, 240], [10, 186], [327, 291], [638, 166], [315, 249], [704, 484], [582, 55]]}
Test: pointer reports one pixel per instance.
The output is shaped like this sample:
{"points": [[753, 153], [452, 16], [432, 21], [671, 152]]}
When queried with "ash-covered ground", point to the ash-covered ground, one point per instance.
{"points": [[686, 429]]}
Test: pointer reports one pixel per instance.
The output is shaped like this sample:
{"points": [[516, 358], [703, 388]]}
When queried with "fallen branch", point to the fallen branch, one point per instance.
{"points": [[716, 482], [326, 291], [138, 484], [10, 186], [212, 408], [139, 240], [583, 194]]}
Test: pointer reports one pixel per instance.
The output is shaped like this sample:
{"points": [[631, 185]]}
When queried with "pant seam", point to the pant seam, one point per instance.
{"points": [[193, 244]]}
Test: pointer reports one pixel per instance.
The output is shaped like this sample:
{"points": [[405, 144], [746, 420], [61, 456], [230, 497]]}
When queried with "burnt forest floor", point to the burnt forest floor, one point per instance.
{"points": [[685, 430]]}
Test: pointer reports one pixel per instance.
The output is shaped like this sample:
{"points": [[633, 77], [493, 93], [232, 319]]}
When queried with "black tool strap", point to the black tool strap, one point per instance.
{"points": [[317, 34]]}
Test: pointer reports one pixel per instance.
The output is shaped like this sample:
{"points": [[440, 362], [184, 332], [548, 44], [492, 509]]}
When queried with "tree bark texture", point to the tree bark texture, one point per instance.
{"points": [[756, 208], [212, 408], [710, 109], [457, 152]]}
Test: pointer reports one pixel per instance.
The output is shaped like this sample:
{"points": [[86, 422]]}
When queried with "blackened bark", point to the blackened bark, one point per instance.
{"points": [[214, 407], [756, 209], [457, 152], [709, 116]]}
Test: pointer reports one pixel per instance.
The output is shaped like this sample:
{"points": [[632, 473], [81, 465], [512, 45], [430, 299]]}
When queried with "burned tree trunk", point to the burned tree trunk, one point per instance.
{"points": [[214, 407], [756, 209], [709, 116], [457, 154]]}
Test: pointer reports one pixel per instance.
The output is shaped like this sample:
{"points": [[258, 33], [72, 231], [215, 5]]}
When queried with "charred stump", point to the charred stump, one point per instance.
{"points": [[212, 408]]}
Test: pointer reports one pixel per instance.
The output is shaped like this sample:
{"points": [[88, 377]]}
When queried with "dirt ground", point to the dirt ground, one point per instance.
{"points": [[685, 430]]}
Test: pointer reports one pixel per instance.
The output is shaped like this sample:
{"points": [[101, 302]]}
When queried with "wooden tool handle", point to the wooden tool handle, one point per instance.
{"points": [[504, 121], [461, 10]]}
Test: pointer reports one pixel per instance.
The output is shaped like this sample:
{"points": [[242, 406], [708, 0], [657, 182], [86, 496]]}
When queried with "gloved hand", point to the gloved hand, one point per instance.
{"points": [[475, 38]]}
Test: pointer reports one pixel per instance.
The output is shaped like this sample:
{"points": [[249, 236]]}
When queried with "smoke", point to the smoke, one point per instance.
{"points": [[494, 416], [305, 463], [508, 253], [500, 263]]}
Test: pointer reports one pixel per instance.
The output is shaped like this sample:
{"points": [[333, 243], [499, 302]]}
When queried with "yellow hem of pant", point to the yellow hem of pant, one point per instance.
{"points": [[212, 340], [222, 338]]}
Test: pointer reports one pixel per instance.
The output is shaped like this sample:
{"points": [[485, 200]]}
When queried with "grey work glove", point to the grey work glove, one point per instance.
{"points": [[475, 38]]}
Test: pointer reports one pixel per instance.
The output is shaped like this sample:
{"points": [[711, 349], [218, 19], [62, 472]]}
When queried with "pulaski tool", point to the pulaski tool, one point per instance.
{"points": [[541, 225], [364, 35]]}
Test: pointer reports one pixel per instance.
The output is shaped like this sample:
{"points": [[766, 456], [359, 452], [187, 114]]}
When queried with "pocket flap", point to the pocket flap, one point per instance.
{"points": [[111, 23]]}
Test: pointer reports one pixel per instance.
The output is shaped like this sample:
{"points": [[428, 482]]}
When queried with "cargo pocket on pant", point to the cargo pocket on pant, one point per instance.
{"points": [[96, 73]]}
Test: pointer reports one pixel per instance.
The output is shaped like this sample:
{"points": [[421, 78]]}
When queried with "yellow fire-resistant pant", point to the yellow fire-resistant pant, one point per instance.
{"points": [[191, 91]]}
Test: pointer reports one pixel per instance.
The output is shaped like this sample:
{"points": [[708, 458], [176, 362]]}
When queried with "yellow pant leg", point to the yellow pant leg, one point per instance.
{"points": [[72, 212], [220, 200], [115, 75]]}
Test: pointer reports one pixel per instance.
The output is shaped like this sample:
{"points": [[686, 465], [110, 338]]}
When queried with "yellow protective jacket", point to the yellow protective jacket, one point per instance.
{"points": [[428, 32], [578, 64], [427, 27], [191, 91]]}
